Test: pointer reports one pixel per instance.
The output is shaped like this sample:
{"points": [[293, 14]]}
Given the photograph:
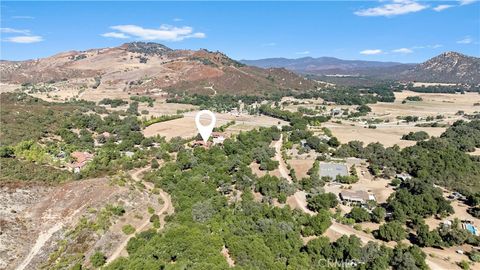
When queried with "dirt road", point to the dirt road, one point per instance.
{"points": [[167, 209], [340, 229], [297, 200]]}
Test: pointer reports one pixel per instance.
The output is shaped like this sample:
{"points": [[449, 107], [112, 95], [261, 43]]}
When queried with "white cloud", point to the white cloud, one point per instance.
{"points": [[177, 19], [24, 39], [403, 50], [14, 31], [164, 32], [466, 2], [115, 35], [371, 52], [466, 40], [396, 7], [23, 17], [304, 52], [442, 7]]}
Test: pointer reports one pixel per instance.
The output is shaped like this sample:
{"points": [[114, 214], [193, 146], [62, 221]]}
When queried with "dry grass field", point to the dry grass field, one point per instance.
{"points": [[388, 135], [185, 127], [433, 104]]}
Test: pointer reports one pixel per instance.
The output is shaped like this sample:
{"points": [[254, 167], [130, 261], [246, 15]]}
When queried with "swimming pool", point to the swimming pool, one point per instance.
{"points": [[471, 228]]}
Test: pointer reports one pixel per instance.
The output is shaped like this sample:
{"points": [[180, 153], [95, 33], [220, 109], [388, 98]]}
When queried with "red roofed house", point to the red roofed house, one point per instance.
{"points": [[80, 160]]}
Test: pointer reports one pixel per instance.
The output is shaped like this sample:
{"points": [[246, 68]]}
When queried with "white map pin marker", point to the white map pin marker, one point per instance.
{"points": [[205, 131]]}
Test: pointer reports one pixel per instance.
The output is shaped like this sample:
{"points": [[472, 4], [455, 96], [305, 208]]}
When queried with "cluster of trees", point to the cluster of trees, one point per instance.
{"points": [[352, 95], [219, 103], [464, 135], [413, 98], [437, 160], [160, 119], [143, 99], [417, 198], [360, 214], [390, 231], [274, 187], [113, 102], [441, 89], [320, 201], [297, 120], [361, 110], [348, 253], [416, 136]]}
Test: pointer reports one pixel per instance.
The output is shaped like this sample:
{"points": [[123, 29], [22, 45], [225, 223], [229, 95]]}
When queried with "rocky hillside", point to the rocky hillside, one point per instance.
{"points": [[448, 67], [140, 67]]}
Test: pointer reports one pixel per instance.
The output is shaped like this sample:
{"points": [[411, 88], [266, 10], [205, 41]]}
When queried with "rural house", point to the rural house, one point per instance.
{"points": [[359, 196], [80, 159]]}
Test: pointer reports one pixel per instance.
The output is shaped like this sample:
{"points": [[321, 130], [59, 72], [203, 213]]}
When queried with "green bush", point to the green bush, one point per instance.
{"points": [[128, 229], [98, 259]]}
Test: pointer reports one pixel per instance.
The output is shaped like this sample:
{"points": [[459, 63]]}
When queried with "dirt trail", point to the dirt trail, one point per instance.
{"points": [[166, 209]]}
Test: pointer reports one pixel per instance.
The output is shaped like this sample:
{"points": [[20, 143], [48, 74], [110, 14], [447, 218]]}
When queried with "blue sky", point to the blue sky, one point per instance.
{"points": [[386, 30]]}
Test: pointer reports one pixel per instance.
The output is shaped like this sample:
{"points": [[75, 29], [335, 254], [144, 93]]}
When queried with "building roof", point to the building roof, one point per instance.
{"points": [[201, 143], [333, 169], [217, 134], [81, 159], [358, 195]]}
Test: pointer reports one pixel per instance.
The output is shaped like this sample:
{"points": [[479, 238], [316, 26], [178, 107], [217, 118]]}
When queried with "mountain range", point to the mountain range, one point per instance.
{"points": [[139, 67], [448, 67]]}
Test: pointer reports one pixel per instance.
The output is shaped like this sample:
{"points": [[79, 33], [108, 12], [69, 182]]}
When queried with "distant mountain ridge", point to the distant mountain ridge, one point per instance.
{"points": [[448, 67], [319, 64]]}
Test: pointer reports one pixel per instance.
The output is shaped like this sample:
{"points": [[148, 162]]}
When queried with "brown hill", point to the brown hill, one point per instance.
{"points": [[448, 67], [141, 67]]}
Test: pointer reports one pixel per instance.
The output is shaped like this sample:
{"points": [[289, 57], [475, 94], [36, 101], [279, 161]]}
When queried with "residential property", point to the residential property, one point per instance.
{"points": [[303, 143], [467, 225], [128, 154], [106, 134], [359, 196], [324, 138], [218, 138], [332, 170], [336, 111], [457, 196], [200, 143], [403, 176], [80, 160]]}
